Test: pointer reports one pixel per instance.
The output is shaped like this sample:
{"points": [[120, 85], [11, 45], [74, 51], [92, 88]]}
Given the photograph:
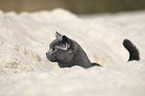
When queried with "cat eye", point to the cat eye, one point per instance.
{"points": [[54, 50], [63, 45]]}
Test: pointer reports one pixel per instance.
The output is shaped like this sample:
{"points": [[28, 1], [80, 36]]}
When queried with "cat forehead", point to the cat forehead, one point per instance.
{"points": [[56, 42]]}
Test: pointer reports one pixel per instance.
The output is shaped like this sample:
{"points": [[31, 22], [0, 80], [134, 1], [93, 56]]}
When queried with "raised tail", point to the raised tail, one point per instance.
{"points": [[133, 51]]}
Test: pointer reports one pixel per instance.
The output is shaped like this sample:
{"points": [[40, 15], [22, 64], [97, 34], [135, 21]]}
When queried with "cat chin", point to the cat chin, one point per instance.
{"points": [[51, 59], [64, 65]]}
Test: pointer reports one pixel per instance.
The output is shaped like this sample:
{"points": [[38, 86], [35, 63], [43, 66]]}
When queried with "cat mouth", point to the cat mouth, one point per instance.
{"points": [[51, 59]]}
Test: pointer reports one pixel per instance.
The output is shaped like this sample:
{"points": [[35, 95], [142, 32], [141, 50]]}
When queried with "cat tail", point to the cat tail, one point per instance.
{"points": [[95, 64], [133, 51]]}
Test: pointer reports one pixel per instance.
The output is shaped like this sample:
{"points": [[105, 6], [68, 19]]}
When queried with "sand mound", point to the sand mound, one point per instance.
{"points": [[24, 69]]}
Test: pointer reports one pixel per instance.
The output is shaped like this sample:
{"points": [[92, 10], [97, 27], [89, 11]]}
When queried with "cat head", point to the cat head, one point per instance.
{"points": [[60, 49]]}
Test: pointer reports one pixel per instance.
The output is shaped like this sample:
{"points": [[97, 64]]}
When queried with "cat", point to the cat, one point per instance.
{"points": [[68, 52]]}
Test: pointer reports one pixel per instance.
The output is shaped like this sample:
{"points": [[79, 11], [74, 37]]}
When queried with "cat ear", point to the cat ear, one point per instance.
{"points": [[65, 40], [58, 35]]}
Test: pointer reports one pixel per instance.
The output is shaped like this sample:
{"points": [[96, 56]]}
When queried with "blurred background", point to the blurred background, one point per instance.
{"points": [[75, 6]]}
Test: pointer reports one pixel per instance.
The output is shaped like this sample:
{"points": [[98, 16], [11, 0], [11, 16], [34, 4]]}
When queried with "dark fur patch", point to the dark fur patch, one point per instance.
{"points": [[133, 51]]}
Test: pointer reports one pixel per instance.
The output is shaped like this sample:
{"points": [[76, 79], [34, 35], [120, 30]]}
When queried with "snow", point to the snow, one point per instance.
{"points": [[25, 70]]}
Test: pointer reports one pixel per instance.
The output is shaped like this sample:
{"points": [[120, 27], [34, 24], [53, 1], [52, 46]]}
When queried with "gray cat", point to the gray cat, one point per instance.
{"points": [[68, 52]]}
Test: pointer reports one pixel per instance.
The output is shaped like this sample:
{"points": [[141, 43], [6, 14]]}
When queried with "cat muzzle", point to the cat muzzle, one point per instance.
{"points": [[49, 55], [49, 52]]}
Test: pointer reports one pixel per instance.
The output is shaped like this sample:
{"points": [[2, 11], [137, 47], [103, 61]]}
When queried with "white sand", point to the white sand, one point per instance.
{"points": [[25, 71]]}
